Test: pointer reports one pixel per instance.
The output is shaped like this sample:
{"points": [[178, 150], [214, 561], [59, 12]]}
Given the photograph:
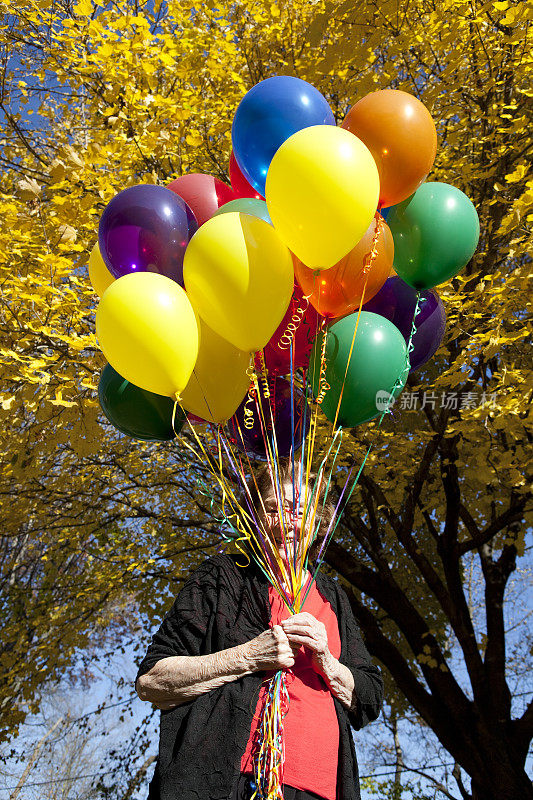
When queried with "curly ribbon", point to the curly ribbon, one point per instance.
{"points": [[410, 343], [287, 338], [372, 255], [270, 758], [248, 411], [264, 375], [323, 385]]}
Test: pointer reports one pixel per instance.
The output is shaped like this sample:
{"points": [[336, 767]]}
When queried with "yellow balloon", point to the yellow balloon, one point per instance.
{"points": [[239, 277], [322, 190], [219, 381], [99, 274], [148, 332]]}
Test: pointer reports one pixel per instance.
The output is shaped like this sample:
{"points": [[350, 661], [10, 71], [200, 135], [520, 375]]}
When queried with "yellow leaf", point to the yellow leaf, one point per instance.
{"points": [[167, 59], [274, 10], [28, 189], [84, 8], [517, 175], [67, 233], [59, 400]]}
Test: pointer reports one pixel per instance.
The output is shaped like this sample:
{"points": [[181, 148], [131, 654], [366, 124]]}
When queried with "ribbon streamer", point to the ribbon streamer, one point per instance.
{"points": [[287, 338]]}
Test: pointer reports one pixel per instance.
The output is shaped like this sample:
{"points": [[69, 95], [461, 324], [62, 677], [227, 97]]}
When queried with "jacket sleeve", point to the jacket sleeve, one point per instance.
{"points": [[368, 683], [184, 629]]}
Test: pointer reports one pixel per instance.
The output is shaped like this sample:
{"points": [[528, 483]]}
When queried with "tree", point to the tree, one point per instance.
{"points": [[98, 98]]}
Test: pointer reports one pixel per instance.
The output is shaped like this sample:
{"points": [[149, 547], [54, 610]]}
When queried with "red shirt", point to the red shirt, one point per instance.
{"points": [[311, 730]]}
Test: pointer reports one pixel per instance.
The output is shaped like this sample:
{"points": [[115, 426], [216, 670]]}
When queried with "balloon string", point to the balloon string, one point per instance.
{"points": [[399, 382], [228, 496], [177, 401], [287, 338], [272, 453], [367, 264]]}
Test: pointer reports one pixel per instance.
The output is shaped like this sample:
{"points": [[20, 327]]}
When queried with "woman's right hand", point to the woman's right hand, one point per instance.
{"points": [[271, 650]]}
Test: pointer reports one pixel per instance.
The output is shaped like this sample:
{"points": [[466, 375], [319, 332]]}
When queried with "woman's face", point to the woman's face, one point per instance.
{"points": [[284, 526]]}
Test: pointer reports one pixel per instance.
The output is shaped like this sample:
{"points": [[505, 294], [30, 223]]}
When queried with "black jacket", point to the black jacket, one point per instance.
{"points": [[202, 741]]}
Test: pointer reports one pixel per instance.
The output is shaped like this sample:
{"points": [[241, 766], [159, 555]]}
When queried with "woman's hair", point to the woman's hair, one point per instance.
{"points": [[260, 486]]}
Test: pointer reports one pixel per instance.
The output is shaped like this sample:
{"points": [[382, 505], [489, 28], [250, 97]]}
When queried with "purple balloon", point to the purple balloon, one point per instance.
{"points": [[396, 302], [146, 228], [253, 440]]}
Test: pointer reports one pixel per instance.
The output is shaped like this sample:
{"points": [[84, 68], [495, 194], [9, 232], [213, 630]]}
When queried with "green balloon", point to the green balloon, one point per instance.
{"points": [[247, 205], [379, 358], [435, 233], [137, 412]]}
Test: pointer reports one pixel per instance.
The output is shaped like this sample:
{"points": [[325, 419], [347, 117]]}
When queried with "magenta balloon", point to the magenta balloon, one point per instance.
{"points": [[396, 302], [146, 228], [253, 439]]}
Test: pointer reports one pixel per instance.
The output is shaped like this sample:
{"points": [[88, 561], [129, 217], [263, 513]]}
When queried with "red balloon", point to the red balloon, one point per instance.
{"points": [[278, 359], [239, 184], [204, 194], [194, 420]]}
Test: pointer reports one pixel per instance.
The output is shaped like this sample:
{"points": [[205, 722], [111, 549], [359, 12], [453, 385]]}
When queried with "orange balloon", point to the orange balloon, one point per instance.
{"points": [[337, 291], [400, 133]]}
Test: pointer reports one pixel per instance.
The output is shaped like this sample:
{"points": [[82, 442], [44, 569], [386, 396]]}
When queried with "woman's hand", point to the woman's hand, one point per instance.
{"points": [[304, 629], [270, 650]]}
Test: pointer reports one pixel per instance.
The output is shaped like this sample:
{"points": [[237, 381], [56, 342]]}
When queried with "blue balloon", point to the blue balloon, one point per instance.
{"points": [[385, 212], [267, 115]]}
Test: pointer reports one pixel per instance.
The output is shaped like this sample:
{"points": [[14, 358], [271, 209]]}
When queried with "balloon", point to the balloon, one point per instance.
{"points": [[248, 205], [267, 116], [148, 332], [136, 412], [99, 274], [239, 278], [204, 194], [252, 441], [400, 133], [146, 228], [322, 192], [435, 233], [337, 291], [378, 359], [239, 184], [396, 302], [219, 380], [278, 359], [194, 420]]}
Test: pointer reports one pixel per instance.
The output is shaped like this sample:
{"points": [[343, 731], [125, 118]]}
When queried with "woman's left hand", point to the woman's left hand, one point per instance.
{"points": [[306, 630]]}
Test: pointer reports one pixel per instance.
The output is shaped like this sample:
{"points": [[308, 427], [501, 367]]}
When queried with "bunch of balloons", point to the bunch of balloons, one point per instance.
{"points": [[314, 258]]}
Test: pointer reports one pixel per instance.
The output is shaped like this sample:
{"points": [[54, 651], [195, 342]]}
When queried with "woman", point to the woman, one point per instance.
{"points": [[206, 665]]}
